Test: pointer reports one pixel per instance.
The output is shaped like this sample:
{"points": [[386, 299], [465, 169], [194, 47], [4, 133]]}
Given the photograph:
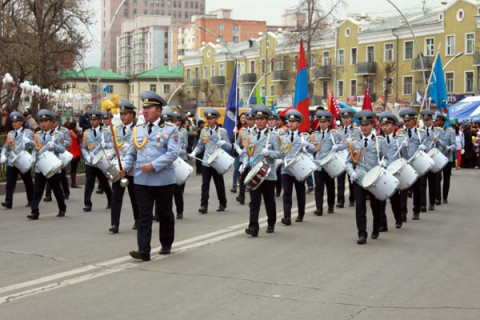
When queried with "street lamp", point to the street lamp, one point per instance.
{"points": [[171, 96], [453, 58]]}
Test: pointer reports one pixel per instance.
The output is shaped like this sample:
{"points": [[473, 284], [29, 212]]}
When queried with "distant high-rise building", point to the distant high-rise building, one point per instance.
{"points": [[179, 11]]}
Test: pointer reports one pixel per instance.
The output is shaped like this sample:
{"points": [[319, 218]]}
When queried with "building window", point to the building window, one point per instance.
{"points": [[353, 87], [264, 66], [450, 48], [326, 58], [407, 85], [166, 88], [408, 50], [236, 27], [469, 43], [272, 90], [312, 59], [134, 12], [220, 37], [469, 81], [280, 64], [388, 52], [340, 88], [262, 91], [295, 63], [220, 26], [449, 82], [188, 74], [221, 69], [205, 72], [212, 71], [370, 54], [236, 39], [153, 87], [110, 88], [252, 66], [341, 57], [353, 56], [429, 47]]}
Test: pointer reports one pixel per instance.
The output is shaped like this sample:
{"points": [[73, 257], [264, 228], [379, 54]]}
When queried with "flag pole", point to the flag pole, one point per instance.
{"points": [[425, 95]]}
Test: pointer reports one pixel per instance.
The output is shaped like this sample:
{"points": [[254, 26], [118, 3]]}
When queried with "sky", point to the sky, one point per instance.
{"points": [[272, 10]]}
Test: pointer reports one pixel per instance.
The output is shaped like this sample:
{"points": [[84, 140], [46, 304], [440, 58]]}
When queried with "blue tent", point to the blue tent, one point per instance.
{"points": [[466, 110]]}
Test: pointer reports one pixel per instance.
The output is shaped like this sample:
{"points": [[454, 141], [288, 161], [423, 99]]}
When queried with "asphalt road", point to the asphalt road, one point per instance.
{"points": [[72, 268]]}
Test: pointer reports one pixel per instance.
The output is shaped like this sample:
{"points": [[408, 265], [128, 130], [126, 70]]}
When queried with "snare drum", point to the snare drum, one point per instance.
{"points": [[301, 167], [220, 161], [48, 164], [65, 157], [438, 158], [381, 183], [182, 171], [23, 161], [421, 162], [257, 175], [343, 154], [100, 162], [404, 172], [333, 164]]}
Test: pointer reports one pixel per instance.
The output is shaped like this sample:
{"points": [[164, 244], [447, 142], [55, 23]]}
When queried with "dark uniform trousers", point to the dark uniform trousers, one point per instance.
{"points": [[12, 175], [178, 196], [322, 179], [207, 174], [117, 200], [64, 185], [431, 179], [288, 182], [447, 173], [279, 182], [162, 196], [361, 210], [267, 190], [39, 187], [396, 203], [242, 186], [91, 173], [341, 189], [417, 197]]}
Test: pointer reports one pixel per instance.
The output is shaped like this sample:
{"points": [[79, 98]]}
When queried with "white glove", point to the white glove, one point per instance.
{"points": [[405, 143], [191, 155], [448, 148], [305, 144], [235, 130], [221, 143], [334, 148], [50, 145], [383, 163], [463, 151], [422, 147], [353, 177], [348, 140], [278, 162], [88, 159], [240, 152], [242, 168], [3, 159], [265, 152]]}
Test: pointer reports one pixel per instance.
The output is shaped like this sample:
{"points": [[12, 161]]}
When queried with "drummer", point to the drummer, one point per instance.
{"points": [[19, 139], [347, 132], [262, 146], [411, 138], [430, 177], [324, 141], [211, 138], [63, 176], [445, 142], [272, 125], [47, 140], [95, 141], [240, 148], [388, 122], [123, 135], [363, 157], [176, 118]]}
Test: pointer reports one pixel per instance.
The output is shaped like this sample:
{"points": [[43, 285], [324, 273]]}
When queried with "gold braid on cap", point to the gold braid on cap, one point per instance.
{"points": [[89, 147], [144, 142], [355, 157]]}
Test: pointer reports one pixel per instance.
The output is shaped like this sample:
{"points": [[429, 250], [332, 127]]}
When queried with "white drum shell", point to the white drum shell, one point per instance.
{"points": [[112, 173], [381, 183], [439, 159], [253, 172], [220, 161], [343, 154], [421, 162], [301, 167], [23, 161], [182, 171], [65, 157], [48, 164], [404, 172], [100, 162], [333, 164]]}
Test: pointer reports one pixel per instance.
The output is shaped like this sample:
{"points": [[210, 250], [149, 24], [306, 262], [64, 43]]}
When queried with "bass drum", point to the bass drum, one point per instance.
{"points": [[380, 182], [257, 175], [301, 167], [220, 161]]}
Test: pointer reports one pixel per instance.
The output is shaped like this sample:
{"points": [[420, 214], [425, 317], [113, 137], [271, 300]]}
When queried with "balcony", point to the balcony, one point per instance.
{"points": [[249, 78], [194, 83], [476, 59], [366, 68], [218, 81], [280, 75], [417, 64], [323, 72]]}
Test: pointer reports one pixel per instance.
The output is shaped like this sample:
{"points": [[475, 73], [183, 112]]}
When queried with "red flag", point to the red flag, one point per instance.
{"points": [[367, 100], [284, 112], [301, 102], [334, 109]]}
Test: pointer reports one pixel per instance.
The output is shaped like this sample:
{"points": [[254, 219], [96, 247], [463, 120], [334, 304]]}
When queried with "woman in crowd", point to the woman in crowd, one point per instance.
{"points": [[74, 149], [460, 138]]}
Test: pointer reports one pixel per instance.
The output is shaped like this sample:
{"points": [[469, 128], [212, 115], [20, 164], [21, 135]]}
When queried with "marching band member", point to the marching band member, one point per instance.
{"points": [[262, 146], [323, 142], [211, 138], [273, 127], [388, 122], [63, 176], [446, 142], [411, 139], [236, 141], [363, 156], [240, 148], [47, 139], [347, 133], [291, 144], [107, 120], [430, 177], [95, 140], [19, 139], [153, 152], [183, 141], [123, 139]]}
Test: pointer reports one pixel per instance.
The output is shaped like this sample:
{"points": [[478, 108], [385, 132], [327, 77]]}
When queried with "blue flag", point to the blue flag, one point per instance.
{"points": [[438, 89], [232, 107]]}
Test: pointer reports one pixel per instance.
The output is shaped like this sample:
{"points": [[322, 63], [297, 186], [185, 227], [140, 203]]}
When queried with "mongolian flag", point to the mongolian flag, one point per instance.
{"points": [[300, 101]]}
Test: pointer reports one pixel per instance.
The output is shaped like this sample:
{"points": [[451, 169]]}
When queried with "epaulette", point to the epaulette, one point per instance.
{"points": [[169, 124], [141, 125], [450, 129], [400, 130], [398, 134], [421, 129], [333, 130], [380, 137]]}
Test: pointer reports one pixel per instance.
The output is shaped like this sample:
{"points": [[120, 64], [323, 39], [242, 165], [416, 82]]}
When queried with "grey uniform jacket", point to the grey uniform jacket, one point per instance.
{"points": [[42, 140], [208, 142], [367, 157], [392, 144], [124, 141], [447, 144], [183, 139], [416, 139], [345, 136], [91, 144], [325, 141], [18, 144], [291, 149], [66, 136]]}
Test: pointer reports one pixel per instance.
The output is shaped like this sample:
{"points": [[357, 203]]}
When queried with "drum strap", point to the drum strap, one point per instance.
{"points": [[250, 150], [10, 140], [355, 157], [37, 146], [89, 147]]}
